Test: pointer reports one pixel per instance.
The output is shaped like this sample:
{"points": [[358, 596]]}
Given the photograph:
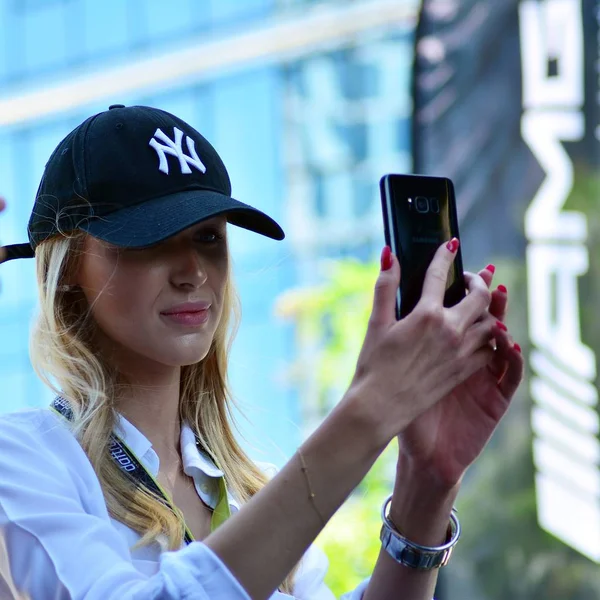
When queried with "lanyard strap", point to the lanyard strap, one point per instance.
{"points": [[128, 462]]}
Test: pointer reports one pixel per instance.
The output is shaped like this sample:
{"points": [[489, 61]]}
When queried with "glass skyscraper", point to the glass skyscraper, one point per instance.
{"points": [[308, 103]]}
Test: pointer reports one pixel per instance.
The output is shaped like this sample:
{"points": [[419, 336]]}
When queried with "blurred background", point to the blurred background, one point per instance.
{"points": [[309, 103]]}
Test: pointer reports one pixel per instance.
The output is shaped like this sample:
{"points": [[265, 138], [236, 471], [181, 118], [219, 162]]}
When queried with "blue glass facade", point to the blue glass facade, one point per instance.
{"points": [[305, 138]]}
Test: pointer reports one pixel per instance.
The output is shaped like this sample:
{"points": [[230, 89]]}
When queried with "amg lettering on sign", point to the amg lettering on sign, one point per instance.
{"points": [[565, 421]]}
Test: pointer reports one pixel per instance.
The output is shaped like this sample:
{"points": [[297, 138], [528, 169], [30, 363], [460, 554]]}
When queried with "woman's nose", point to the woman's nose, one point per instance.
{"points": [[189, 268]]}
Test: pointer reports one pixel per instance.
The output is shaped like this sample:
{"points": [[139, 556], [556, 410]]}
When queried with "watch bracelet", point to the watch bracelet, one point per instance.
{"points": [[411, 554]]}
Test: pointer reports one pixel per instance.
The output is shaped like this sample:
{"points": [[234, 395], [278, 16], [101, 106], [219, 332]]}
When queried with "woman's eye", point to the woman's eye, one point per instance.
{"points": [[210, 237]]}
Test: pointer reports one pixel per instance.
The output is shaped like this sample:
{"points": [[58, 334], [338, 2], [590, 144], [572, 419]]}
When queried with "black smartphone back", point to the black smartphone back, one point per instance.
{"points": [[419, 213]]}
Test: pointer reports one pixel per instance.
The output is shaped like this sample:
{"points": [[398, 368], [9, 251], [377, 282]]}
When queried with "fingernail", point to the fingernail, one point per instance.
{"points": [[502, 289], [452, 245], [386, 258], [517, 347], [501, 325], [491, 269]]}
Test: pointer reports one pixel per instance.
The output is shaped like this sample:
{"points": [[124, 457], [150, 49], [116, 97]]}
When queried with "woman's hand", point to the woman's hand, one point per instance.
{"points": [[440, 442], [444, 441], [405, 367]]}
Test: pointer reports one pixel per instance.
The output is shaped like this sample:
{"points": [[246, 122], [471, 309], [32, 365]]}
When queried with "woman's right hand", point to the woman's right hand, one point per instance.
{"points": [[406, 366], [2, 251]]}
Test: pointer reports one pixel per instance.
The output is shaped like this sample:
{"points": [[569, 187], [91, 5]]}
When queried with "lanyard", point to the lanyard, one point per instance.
{"points": [[128, 462]]}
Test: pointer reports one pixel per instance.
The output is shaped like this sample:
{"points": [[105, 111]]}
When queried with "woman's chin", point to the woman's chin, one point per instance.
{"points": [[184, 359]]}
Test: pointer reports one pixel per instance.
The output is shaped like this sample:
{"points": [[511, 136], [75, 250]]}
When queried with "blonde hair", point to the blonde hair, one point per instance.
{"points": [[64, 356]]}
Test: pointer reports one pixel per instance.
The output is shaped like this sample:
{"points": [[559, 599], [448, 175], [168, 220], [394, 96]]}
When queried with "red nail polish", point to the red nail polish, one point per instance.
{"points": [[517, 347], [452, 245], [501, 325], [502, 289], [386, 258], [491, 269]]}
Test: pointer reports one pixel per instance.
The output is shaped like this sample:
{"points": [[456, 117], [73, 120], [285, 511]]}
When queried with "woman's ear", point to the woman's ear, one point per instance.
{"points": [[71, 274]]}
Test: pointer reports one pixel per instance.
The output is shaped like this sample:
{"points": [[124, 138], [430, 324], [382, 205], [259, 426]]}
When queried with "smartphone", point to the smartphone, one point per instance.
{"points": [[419, 214]]}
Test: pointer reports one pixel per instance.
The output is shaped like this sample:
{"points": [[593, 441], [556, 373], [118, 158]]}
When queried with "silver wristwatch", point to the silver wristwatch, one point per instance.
{"points": [[413, 555]]}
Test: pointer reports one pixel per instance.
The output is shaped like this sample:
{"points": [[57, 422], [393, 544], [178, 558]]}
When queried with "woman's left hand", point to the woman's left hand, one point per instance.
{"points": [[445, 440]]}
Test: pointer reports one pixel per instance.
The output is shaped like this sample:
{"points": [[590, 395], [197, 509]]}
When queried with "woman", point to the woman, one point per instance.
{"points": [[136, 456]]}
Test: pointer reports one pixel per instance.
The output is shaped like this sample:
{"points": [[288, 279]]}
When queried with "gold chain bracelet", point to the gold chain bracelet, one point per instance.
{"points": [[311, 494]]}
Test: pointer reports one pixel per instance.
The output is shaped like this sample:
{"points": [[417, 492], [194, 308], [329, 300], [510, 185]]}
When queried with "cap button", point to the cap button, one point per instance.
{"points": [[116, 106]]}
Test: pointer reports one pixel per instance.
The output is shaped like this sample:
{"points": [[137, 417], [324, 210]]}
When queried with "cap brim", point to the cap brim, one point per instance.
{"points": [[158, 219], [15, 251]]}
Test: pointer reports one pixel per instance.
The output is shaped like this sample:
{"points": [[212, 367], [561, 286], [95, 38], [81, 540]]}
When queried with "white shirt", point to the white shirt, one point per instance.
{"points": [[58, 542]]}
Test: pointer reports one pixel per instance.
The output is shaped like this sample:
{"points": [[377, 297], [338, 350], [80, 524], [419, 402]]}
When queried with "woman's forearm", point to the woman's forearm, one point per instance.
{"points": [[420, 509], [262, 542]]}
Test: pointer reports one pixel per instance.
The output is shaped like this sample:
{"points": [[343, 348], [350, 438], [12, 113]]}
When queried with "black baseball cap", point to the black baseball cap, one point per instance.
{"points": [[134, 176]]}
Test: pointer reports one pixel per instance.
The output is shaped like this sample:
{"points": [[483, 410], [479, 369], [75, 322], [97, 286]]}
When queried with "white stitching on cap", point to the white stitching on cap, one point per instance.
{"points": [[174, 149]]}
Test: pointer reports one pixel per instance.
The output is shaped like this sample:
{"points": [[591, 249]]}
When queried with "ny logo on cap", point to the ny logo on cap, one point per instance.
{"points": [[174, 149]]}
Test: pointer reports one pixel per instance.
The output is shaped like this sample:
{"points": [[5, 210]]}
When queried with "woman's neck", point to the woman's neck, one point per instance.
{"points": [[152, 406]]}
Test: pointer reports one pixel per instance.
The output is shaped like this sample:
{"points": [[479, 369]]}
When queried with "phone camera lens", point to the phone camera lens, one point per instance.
{"points": [[421, 204]]}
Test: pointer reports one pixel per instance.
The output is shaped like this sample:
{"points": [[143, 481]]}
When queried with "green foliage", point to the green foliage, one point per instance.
{"points": [[331, 319], [351, 538]]}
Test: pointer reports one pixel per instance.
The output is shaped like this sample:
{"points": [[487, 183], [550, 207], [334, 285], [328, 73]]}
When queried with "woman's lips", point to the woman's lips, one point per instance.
{"points": [[191, 319]]}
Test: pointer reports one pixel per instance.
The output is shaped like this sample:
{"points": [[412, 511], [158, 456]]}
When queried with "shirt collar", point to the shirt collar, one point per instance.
{"points": [[197, 464], [136, 441], [193, 457]]}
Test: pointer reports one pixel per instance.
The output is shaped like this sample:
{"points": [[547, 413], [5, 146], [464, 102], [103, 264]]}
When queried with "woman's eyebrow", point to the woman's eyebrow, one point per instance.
{"points": [[212, 224]]}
